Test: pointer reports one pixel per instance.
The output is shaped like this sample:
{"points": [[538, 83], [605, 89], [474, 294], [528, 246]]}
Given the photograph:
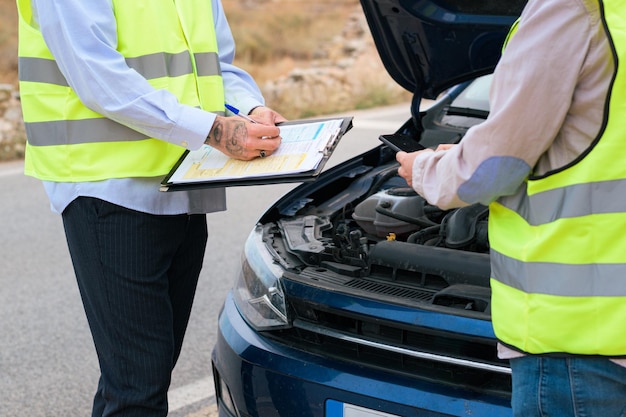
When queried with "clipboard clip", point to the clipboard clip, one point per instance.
{"points": [[327, 148]]}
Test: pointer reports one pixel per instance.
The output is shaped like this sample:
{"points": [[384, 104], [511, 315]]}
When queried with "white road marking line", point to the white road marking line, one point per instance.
{"points": [[191, 393]]}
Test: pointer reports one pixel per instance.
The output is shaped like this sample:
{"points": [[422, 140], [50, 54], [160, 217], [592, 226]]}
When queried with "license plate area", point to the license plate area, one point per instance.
{"points": [[341, 409]]}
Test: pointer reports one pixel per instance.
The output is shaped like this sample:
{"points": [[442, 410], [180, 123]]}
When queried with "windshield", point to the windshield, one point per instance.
{"points": [[475, 96]]}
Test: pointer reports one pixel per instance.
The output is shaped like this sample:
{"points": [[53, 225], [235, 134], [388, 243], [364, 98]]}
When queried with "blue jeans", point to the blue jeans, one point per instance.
{"points": [[562, 387]]}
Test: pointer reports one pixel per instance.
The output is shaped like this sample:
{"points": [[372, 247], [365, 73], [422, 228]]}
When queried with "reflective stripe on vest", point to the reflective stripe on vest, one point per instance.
{"points": [[558, 248], [69, 142]]}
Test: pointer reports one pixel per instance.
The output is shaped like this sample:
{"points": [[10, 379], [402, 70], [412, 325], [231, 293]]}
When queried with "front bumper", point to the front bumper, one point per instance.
{"points": [[261, 377]]}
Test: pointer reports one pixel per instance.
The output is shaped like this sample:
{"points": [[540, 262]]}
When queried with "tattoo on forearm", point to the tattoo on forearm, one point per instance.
{"points": [[233, 135]]}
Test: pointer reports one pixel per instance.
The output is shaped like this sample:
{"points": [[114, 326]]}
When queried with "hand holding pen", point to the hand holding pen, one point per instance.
{"points": [[236, 111], [245, 141], [263, 115]]}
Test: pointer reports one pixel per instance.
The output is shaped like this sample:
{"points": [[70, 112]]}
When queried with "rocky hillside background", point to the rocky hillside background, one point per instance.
{"points": [[309, 58], [12, 135]]}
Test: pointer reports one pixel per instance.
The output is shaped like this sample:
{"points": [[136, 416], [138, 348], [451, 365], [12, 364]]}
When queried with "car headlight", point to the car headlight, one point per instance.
{"points": [[258, 293]]}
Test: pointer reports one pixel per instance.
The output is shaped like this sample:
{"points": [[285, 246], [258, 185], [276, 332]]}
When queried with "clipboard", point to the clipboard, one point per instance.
{"points": [[301, 157]]}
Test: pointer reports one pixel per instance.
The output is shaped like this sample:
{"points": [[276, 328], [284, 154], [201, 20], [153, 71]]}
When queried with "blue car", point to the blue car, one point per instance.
{"points": [[357, 298]]}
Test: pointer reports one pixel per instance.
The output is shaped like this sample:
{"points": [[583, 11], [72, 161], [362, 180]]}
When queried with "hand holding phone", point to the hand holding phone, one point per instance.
{"points": [[399, 142]]}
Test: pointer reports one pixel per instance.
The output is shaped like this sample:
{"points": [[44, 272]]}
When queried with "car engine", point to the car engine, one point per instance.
{"points": [[379, 231]]}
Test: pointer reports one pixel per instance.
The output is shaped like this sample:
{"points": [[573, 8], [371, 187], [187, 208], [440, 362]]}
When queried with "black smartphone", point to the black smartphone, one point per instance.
{"points": [[399, 142]]}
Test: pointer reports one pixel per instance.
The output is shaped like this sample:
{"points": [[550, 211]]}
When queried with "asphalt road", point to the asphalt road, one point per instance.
{"points": [[48, 366]]}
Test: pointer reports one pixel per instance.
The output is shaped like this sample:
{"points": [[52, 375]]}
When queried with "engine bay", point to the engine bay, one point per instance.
{"points": [[378, 233]]}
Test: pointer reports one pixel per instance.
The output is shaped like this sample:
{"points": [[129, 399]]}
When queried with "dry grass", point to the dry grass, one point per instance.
{"points": [[275, 36]]}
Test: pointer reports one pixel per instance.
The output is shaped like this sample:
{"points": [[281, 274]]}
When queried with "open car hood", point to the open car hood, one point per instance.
{"points": [[428, 46]]}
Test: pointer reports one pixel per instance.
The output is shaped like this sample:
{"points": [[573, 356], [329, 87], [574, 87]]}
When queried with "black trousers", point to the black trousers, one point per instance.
{"points": [[137, 274]]}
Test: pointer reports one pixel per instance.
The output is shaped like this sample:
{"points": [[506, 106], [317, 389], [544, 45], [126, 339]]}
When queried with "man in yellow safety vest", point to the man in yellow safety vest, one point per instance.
{"points": [[549, 162], [113, 92]]}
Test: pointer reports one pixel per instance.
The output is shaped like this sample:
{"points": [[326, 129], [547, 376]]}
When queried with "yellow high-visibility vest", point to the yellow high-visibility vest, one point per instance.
{"points": [[558, 247], [163, 40]]}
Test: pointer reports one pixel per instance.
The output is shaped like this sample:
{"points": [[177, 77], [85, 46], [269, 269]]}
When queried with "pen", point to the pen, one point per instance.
{"points": [[236, 111]]}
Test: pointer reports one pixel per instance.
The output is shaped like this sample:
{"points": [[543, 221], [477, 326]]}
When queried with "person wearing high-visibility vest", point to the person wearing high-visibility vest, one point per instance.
{"points": [[113, 92], [549, 162]]}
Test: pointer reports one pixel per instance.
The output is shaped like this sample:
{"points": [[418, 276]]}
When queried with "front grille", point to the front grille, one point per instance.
{"points": [[442, 357]]}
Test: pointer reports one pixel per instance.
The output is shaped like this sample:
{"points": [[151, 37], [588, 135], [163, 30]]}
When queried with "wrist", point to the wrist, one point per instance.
{"points": [[252, 110], [216, 123]]}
